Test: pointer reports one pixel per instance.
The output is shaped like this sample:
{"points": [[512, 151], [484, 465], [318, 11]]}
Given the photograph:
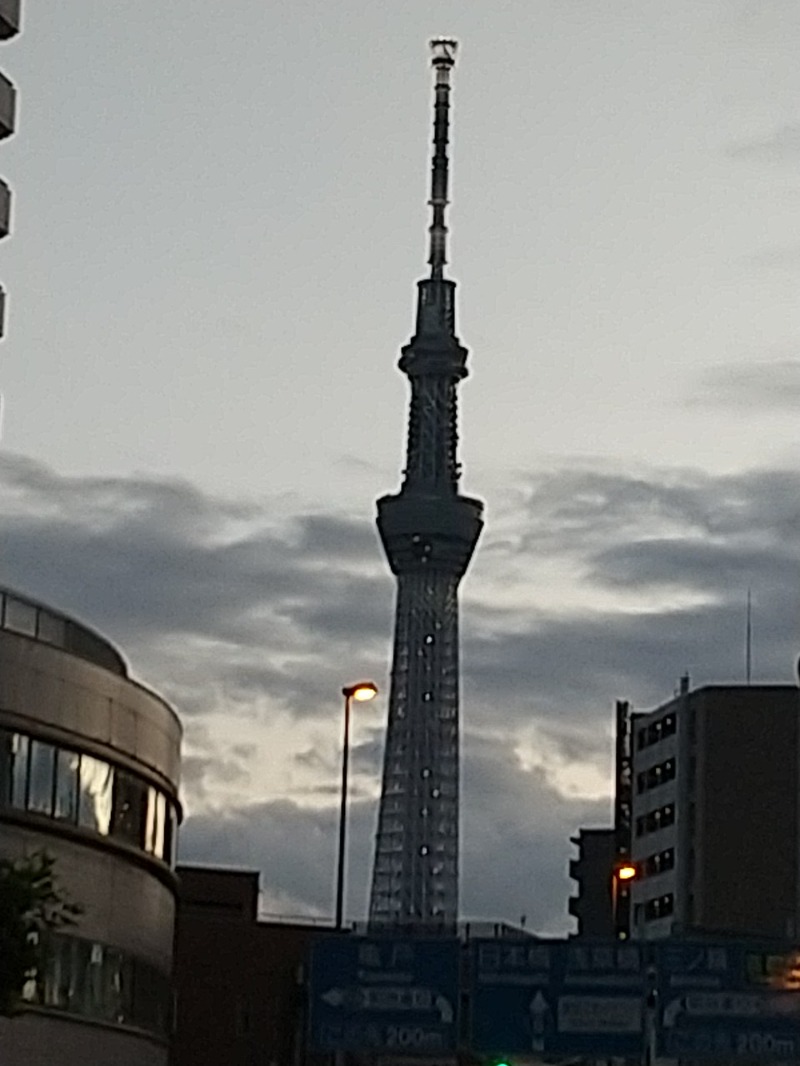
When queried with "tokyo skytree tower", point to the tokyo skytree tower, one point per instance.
{"points": [[429, 532]]}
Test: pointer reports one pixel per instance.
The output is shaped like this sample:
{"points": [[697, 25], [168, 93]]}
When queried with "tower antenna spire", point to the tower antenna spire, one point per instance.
{"points": [[443, 61], [429, 531]]}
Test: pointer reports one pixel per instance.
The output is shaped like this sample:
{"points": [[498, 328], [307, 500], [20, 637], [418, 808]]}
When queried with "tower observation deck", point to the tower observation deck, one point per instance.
{"points": [[429, 532]]}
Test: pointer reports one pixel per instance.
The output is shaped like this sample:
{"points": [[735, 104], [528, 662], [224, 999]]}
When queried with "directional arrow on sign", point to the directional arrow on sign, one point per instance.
{"points": [[445, 1008], [390, 998]]}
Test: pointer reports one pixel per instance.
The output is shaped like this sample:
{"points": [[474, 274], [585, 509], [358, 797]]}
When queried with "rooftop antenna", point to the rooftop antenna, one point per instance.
{"points": [[748, 640], [444, 58]]}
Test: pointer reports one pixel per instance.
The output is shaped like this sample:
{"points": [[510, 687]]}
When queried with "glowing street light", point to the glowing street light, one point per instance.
{"points": [[364, 690], [361, 692], [624, 873]]}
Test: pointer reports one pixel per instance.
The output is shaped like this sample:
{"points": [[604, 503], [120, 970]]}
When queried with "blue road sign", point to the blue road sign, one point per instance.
{"points": [[558, 998], [728, 999], [384, 994]]}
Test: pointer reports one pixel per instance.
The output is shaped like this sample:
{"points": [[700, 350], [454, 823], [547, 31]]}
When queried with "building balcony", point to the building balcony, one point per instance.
{"points": [[9, 18], [8, 107]]}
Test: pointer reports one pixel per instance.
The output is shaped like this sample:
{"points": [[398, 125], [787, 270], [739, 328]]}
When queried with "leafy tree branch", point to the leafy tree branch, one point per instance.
{"points": [[32, 904]]}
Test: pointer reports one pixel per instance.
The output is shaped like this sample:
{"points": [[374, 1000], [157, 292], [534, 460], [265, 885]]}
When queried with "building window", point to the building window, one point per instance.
{"points": [[656, 731], [20, 750], [651, 822], [20, 617], [659, 862], [656, 775], [41, 778], [129, 808], [661, 907], [91, 980], [51, 629], [94, 808], [80, 790], [67, 781]]}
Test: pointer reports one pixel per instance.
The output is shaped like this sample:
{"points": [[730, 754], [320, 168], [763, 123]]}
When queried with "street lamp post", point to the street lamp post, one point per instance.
{"points": [[364, 690], [624, 873]]}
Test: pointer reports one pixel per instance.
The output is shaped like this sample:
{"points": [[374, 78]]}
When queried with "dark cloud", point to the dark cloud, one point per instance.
{"points": [[694, 564], [684, 594], [199, 774], [251, 622], [512, 819], [752, 389], [200, 586]]}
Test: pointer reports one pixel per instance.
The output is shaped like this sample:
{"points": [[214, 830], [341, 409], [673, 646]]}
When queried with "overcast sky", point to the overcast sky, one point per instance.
{"points": [[219, 217]]}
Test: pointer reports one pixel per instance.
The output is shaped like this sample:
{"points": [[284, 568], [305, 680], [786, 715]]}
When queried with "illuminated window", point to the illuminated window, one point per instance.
{"points": [[94, 810]]}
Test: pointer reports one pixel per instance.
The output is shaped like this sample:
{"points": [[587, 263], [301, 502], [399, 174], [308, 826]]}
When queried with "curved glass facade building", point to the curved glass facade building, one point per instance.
{"points": [[89, 768]]}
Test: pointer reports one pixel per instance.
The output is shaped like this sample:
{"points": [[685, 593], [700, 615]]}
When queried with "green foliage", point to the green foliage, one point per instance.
{"points": [[31, 906]]}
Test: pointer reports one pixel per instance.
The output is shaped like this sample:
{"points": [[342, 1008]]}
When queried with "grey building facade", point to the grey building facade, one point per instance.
{"points": [[715, 830], [89, 768]]}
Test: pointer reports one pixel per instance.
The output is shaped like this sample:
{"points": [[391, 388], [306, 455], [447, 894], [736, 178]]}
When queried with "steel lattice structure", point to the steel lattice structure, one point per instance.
{"points": [[429, 532]]}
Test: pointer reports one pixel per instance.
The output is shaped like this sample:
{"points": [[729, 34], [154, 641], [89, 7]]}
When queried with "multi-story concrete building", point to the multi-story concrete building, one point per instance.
{"points": [[715, 831], [89, 763]]}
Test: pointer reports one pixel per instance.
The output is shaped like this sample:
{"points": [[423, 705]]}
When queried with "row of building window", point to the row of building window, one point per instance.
{"points": [[659, 863], [30, 620], [656, 731], [655, 820], [655, 776], [80, 790], [94, 981]]}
